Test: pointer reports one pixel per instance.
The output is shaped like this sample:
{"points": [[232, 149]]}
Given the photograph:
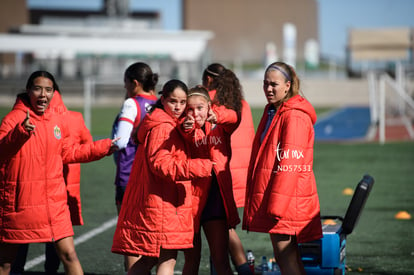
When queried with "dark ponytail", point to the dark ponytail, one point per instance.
{"points": [[142, 73]]}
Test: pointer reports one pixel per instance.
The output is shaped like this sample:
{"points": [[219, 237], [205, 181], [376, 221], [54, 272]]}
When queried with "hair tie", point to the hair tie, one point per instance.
{"points": [[200, 94], [212, 73], [282, 71]]}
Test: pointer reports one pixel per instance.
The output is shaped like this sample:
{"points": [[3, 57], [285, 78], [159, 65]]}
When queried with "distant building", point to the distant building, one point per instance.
{"points": [[378, 49], [242, 28], [233, 32], [100, 42], [13, 13]]}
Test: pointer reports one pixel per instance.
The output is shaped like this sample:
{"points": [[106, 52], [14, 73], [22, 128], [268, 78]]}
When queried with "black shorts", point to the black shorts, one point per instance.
{"points": [[119, 194], [214, 209]]}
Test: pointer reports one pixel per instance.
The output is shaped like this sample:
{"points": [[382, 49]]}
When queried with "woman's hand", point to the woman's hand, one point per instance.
{"points": [[212, 118], [27, 125], [189, 122], [114, 147]]}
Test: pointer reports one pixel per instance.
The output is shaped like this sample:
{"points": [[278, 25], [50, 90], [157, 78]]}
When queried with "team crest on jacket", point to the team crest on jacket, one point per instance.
{"points": [[57, 132]]}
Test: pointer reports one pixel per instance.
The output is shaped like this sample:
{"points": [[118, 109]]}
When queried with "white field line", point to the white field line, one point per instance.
{"points": [[83, 238]]}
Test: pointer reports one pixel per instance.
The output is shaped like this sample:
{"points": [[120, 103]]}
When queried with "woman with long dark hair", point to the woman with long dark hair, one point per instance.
{"points": [[139, 83], [156, 220], [35, 142]]}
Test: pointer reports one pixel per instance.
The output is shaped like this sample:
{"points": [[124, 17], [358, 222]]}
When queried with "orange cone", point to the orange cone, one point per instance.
{"points": [[403, 215], [348, 192]]}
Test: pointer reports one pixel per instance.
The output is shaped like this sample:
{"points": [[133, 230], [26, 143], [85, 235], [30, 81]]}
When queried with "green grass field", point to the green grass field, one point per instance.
{"points": [[380, 244]]}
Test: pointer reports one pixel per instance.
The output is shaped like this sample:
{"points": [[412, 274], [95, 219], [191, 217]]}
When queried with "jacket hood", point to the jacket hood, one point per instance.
{"points": [[23, 104], [299, 103], [56, 104], [153, 119], [212, 94]]}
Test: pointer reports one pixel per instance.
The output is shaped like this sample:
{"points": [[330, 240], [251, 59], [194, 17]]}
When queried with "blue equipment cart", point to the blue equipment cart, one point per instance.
{"points": [[328, 255]]}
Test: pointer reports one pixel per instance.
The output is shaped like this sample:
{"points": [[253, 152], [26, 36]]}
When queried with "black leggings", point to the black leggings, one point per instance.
{"points": [[214, 209]]}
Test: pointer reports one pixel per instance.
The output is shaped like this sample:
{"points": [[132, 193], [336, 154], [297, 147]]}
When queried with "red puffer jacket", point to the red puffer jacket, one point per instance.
{"points": [[72, 171], [215, 142], [32, 189], [156, 209], [241, 147], [281, 194]]}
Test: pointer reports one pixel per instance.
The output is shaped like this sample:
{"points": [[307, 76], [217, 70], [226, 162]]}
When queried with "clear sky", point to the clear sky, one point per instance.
{"points": [[336, 17]]}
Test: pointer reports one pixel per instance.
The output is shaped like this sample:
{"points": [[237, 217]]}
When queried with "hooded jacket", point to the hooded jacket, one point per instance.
{"points": [[281, 195], [215, 142], [72, 171], [33, 195], [156, 209], [79, 134], [241, 147]]}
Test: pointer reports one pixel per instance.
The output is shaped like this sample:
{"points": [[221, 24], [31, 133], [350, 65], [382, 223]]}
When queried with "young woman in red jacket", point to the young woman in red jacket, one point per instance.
{"points": [[71, 172], [210, 127], [281, 197], [156, 219], [139, 83], [35, 143], [241, 147]]}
